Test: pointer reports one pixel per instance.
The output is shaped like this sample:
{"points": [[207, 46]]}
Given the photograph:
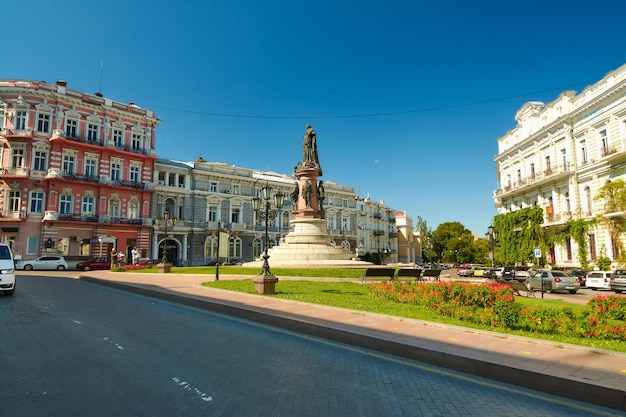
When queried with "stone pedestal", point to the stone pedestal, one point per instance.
{"points": [[164, 268], [265, 284]]}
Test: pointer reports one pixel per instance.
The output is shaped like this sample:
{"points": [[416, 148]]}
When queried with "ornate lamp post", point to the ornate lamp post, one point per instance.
{"points": [[492, 236], [166, 224], [265, 282]]}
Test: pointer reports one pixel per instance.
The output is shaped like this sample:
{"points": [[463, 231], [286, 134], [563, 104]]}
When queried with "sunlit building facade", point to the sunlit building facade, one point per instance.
{"points": [[559, 155], [75, 171]]}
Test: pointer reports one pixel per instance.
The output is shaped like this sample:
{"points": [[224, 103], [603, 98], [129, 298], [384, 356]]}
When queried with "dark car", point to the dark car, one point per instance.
{"points": [[149, 262], [94, 263], [520, 273], [580, 274]]}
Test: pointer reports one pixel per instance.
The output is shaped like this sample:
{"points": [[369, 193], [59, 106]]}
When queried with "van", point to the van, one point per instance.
{"points": [[7, 270]]}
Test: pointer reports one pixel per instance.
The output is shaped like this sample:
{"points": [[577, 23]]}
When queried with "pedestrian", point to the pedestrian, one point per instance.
{"points": [[114, 257], [135, 254], [121, 258]]}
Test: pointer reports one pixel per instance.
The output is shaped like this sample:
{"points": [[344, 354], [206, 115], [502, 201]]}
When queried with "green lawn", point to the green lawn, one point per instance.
{"points": [[355, 296]]}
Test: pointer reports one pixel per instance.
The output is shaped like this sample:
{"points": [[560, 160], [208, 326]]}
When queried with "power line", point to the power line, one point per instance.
{"points": [[363, 115]]}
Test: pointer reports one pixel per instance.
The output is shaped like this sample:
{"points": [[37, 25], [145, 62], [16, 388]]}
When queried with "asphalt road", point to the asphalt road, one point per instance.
{"points": [[72, 348]]}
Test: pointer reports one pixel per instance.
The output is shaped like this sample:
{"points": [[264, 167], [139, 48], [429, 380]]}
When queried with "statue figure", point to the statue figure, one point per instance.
{"points": [[309, 146], [294, 195], [59, 118], [307, 191], [320, 195]]}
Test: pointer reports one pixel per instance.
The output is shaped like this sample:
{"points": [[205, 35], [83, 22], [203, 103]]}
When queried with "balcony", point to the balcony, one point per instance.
{"points": [[523, 184], [15, 172]]}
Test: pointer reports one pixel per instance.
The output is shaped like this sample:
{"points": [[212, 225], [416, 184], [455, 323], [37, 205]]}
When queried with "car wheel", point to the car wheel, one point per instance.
{"points": [[572, 291], [28, 267], [10, 292], [618, 291], [60, 268], [593, 289], [86, 268]]}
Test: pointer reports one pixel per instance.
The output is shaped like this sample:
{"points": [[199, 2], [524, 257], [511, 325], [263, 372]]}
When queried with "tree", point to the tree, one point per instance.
{"points": [[452, 242], [613, 193]]}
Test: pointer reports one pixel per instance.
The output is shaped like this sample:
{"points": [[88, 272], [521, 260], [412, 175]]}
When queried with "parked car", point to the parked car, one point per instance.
{"points": [[618, 281], [149, 262], [553, 281], [94, 263], [469, 270], [578, 272], [497, 273], [521, 273], [7, 270], [599, 280], [43, 262]]}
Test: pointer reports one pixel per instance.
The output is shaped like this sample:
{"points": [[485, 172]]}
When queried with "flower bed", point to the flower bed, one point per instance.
{"points": [[494, 304]]}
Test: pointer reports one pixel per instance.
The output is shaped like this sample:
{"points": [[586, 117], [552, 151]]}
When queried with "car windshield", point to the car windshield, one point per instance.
{"points": [[560, 274], [5, 253]]}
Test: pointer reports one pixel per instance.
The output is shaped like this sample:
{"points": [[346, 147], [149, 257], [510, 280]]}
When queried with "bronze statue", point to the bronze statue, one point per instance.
{"points": [[294, 195], [307, 191], [320, 195], [309, 146]]}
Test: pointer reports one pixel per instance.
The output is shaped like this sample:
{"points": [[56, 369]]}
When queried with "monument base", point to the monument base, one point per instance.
{"points": [[265, 284]]}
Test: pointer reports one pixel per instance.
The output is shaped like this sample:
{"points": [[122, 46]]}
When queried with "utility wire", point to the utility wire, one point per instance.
{"points": [[363, 115]]}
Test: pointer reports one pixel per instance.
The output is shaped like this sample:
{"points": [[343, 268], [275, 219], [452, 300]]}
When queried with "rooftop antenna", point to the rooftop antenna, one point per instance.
{"points": [[100, 81]]}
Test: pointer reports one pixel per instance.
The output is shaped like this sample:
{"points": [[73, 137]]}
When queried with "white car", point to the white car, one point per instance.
{"points": [[7, 270], [599, 280], [43, 262]]}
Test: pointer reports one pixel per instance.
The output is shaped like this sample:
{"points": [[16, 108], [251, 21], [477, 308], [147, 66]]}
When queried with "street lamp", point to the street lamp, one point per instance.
{"points": [[166, 224], [263, 204], [492, 236]]}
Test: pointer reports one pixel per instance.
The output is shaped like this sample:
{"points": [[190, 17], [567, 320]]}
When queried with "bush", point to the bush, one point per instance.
{"points": [[494, 304]]}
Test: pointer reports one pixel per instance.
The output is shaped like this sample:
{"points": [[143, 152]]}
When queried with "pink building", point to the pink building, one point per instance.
{"points": [[75, 171]]}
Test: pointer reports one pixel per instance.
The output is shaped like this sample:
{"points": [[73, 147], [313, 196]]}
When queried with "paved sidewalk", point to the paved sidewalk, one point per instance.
{"points": [[590, 375]]}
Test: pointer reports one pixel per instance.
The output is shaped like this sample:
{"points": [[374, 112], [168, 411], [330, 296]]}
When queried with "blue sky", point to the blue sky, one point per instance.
{"points": [[408, 98]]}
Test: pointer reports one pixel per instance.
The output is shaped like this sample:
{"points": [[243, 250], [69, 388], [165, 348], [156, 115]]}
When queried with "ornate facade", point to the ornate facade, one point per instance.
{"points": [[560, 154], [75, 171]]}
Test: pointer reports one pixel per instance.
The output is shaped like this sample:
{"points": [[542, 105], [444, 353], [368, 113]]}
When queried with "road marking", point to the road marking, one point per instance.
{"points": [[185, 385]]}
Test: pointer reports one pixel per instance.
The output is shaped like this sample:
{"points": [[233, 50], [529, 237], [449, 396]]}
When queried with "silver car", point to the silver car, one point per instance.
{"points": [[43, 262], [618, 281], [553, 281]]}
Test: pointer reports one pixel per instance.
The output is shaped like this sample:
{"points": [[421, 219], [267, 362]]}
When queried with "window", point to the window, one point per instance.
{"points": [[114, 208], [40, 159], [118, 138], [36, 201], [135, 143], [235, 214], [584, 158], [212, 213], [548, 166], [69, 164], [43, 123], [87, 208], [564, 158], [71, 128], [116, 171], [17, 158], [588, 201], [92, 132], [133, 209], [14, 200], [604, 142], [213, 187], [65, 204], [134, 174], [519, 176], [91, 167], [235, 189], [20, 120], [532, 170]]}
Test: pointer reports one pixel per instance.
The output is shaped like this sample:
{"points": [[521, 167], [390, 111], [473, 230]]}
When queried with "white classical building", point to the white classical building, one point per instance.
{"points": [[205, 197], [560, 154]]}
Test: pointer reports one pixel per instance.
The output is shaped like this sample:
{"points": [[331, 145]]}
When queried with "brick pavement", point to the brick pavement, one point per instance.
{"points": [[585, 374]]}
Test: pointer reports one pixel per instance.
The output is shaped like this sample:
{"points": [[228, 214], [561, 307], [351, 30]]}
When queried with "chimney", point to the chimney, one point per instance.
{"points": [[62, 83]]}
